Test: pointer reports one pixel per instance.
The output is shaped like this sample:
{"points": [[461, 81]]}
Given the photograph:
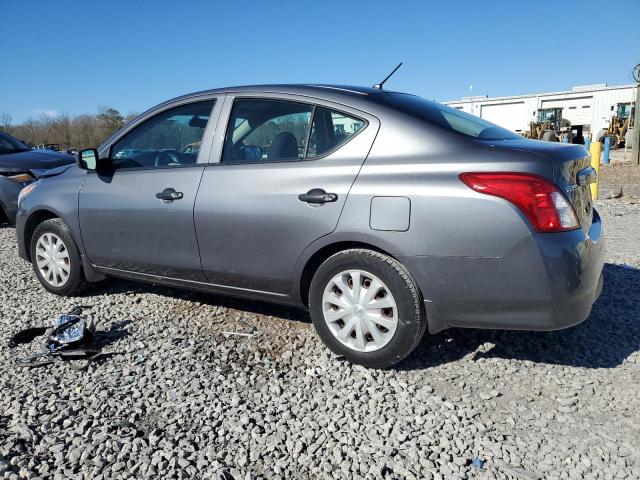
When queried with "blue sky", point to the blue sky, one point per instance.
{"points": [[72, 56]]}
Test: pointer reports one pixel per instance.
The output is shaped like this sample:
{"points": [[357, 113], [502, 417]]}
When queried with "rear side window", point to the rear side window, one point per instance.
{"points": [[267, 130], [444, 117], [331, 129], [264, 130]]}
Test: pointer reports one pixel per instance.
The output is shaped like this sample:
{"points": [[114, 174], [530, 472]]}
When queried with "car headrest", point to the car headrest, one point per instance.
{"points": [[198, 122], [284, 146]]}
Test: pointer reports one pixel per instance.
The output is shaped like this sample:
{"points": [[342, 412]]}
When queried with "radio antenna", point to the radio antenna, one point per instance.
{"points": [[378, 86]]}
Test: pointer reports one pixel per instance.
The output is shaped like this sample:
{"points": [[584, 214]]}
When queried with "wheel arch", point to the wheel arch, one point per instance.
{"points": [[319, 256], [33, 220]]}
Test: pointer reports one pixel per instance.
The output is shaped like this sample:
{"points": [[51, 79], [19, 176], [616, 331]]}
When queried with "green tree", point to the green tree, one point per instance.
{"points": [[111, 119]]}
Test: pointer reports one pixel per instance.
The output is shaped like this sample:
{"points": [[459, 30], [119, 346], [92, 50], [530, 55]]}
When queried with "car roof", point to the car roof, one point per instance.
{"points": [[300, 88], [353, 96], [340, 93]]}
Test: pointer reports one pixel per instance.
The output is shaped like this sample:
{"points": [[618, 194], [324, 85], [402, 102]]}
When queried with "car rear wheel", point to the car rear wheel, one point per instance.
{"points": [[55, 258], [366, 307]]}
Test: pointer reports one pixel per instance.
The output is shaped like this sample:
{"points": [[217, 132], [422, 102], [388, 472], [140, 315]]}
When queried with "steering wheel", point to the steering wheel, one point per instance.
{"points": [[166, 157]]}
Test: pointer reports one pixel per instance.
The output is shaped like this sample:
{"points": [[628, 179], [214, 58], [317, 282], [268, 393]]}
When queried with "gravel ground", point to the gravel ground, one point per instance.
{"points": [[174, 397]]}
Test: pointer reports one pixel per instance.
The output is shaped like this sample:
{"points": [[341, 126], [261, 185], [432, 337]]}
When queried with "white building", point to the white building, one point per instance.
{"points": [[589, 108]]}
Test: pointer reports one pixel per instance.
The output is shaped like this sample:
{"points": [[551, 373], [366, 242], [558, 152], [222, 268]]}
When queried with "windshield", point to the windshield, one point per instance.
{"points": [[548, 115], [444, 117], [8, 144], [623, 110]]}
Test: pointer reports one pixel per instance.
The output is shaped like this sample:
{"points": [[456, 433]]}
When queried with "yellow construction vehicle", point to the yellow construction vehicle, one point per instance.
{"points": [[619, 125], [550, 126]]}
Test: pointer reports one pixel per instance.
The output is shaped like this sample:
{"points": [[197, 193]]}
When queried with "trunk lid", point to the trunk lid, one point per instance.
{"points": [[572, 172]]}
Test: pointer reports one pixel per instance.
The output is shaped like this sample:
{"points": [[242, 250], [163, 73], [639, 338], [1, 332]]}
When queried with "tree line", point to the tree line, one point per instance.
{"points": [[78, 131]]}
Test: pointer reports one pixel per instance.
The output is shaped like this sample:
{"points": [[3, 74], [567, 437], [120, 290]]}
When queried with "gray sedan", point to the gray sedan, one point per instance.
{"points": [[385, 214]]}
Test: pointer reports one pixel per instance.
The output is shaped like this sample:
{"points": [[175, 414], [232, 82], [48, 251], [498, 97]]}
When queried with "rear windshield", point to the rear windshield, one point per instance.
{"points": [[444, 117]]}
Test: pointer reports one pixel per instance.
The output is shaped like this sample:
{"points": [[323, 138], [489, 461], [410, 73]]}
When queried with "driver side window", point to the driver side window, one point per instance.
{"points": [[170, 139]]}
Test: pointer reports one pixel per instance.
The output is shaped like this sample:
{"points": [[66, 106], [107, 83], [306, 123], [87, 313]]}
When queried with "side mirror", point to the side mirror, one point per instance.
{"points": [[88, 159]]}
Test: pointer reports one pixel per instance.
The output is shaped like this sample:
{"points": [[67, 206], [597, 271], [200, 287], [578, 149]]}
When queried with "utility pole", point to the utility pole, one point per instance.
{"points": [[635, 139], [635, 149]]}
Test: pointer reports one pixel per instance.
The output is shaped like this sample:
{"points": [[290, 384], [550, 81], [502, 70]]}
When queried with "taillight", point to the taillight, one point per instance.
{"points": [[540, 200]]}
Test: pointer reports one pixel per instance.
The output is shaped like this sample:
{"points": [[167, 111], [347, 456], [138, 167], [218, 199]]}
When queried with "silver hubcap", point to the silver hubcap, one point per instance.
{"points": [[360, 310], [52, 258]]}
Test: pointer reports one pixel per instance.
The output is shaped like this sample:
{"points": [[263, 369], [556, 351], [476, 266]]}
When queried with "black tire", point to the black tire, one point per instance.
{"points": [[549, 136], [76, 282], [4, 219], [412, 321]]}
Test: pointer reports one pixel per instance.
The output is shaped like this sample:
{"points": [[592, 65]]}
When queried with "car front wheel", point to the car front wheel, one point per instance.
{"points": [[366, 307], [55, 258]]}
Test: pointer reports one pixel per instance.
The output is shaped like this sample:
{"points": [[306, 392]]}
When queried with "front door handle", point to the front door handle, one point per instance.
{"points": [[317, 196], [168, 195]]}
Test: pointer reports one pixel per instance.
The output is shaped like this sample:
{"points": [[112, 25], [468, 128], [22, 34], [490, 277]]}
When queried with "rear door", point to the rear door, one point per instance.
{"points": [[278, 181], [139, 217]]}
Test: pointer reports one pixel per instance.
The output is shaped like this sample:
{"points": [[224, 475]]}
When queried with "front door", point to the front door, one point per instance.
{"points": [[139, 216], [284, 174]]}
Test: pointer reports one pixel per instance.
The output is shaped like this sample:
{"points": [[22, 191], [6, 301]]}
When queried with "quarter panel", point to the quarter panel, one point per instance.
{"points": [[447, 218], [452, 228]]}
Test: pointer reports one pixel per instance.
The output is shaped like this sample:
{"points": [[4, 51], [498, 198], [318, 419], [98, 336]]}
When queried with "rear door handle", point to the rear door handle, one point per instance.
{"points": [[317, 196], [168, 195]]}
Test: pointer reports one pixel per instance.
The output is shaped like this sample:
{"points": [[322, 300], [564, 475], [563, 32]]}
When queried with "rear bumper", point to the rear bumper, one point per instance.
{"points": [[545, 282]]}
